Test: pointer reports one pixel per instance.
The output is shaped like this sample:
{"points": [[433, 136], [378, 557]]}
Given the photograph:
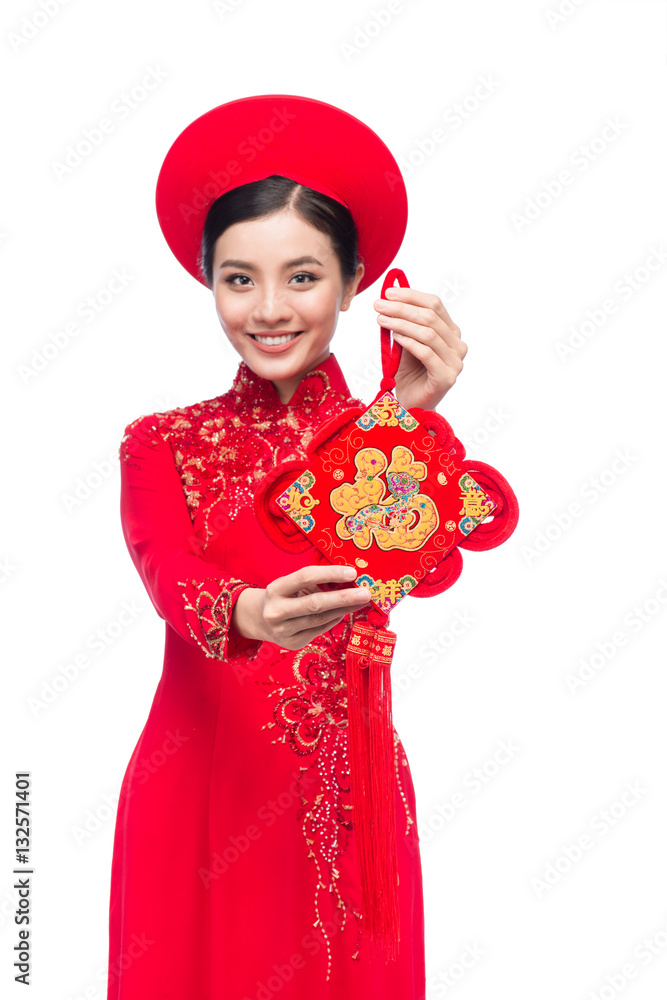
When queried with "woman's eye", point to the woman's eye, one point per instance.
{"points": [[305, 274], [231, 279]]}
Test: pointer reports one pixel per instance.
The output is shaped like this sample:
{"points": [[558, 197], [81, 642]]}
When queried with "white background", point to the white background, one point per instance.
{"points": [[536, 607]]}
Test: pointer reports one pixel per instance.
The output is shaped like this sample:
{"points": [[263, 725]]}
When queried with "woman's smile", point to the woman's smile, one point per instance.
{"points": [[274, 342]]}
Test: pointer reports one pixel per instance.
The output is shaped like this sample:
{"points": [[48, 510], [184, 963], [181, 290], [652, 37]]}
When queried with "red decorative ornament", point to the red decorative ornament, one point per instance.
{"points": [[390, 491]]}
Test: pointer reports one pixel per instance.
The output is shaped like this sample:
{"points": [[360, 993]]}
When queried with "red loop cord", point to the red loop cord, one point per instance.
{"points": [[391, 350]]}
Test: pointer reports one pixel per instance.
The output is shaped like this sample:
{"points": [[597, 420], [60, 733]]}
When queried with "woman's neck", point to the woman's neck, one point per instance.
{"points": [[286, 387]]}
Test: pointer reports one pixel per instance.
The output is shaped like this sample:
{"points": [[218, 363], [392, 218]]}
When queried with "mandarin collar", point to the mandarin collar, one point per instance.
{"points": [[325, 377]]}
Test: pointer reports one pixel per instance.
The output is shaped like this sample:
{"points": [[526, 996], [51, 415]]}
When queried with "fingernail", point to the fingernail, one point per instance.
{"points": [[349, 572], [391, 291]]}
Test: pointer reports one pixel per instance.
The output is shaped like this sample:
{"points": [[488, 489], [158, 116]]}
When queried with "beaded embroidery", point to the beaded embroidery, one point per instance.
{"points": [[212, 611], [222, 447], [312, 714]]}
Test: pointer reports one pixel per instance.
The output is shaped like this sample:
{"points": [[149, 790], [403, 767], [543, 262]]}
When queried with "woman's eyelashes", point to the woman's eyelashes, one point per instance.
{"points": [[306, 274], [231, 279]]}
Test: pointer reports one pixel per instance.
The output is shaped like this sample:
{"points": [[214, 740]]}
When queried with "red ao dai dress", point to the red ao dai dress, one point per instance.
{"points": [[234, 874]]}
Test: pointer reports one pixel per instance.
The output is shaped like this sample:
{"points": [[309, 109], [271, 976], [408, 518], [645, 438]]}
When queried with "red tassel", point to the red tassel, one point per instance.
{"points": [[371, 742]]}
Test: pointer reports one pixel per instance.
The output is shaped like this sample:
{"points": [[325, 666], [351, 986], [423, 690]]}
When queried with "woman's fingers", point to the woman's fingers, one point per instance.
{"points": [[321, 620], [308, 578], [295, 606], [318, 608], [434, 351], [412, 296], [423, 316], [298, 595], [298, 640]]}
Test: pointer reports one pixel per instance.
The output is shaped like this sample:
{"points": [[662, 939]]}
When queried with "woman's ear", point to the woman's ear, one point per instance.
{"points": [[351, 288]]}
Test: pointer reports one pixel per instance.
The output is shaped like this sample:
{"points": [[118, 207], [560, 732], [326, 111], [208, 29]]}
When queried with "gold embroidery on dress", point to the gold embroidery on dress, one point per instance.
{"points": [[404, 762], [212, 609], [311, 715], [222, 447]]}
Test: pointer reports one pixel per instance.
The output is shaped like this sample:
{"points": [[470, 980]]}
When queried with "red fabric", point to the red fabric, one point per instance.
{"points": [[235, 816]]}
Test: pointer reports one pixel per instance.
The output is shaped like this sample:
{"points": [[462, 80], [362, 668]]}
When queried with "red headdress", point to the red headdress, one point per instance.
{"points": [[309, 141]]}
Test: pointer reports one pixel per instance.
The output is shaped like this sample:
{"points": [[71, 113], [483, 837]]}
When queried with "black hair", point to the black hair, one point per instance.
{"points": [[272, 194]]}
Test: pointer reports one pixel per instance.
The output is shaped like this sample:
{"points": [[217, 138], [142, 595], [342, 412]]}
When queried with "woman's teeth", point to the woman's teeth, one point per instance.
{"points": [[274, 340]]}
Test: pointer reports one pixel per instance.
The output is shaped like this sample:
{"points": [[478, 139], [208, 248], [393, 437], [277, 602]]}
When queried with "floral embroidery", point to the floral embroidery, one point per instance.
{"points": [[318, 699], [211, 613], [312, 717], [223, 446], [312, 714]]}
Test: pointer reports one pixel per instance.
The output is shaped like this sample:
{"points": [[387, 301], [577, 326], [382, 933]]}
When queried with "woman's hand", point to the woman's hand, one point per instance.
{"points": [[433, 351], [292, 609]]}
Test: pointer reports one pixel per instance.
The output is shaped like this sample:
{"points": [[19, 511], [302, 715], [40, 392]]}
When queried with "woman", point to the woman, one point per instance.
{"points": [[234, 872]]}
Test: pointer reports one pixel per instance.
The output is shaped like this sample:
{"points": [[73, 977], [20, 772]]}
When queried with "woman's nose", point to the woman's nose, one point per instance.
{"points": [[270, 307]]}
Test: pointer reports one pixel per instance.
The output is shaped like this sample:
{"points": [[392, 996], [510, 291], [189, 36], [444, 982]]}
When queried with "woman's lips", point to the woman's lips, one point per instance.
{"points": [[275, 348]]}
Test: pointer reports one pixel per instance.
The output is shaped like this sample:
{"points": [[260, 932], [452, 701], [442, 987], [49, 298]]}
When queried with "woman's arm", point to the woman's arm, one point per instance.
{"points": [[199, 598], [194, 595]]}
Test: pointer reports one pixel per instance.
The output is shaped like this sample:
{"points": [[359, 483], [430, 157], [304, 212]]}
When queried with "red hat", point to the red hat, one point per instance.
{"points": [[309, 141]]}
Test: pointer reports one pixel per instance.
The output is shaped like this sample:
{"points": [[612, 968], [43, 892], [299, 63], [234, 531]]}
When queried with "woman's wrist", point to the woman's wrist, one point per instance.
{"points": [[246, 613]]}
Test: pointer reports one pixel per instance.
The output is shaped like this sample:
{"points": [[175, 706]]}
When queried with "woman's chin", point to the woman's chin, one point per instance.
{"points": [[286, 363]]}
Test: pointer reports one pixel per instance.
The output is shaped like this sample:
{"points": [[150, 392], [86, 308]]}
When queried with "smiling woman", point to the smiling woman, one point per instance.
{"points": [[278, 316], [236, 857]]}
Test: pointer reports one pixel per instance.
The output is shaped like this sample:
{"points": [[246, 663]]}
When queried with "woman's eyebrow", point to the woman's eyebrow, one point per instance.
{"points": [[290, 263]]}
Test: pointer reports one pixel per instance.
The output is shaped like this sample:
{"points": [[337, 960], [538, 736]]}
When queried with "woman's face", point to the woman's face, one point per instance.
{"points": [[272, 278]]}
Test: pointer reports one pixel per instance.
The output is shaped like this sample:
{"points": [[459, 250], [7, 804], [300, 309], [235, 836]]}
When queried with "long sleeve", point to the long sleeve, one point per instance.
{"points": [[194, 595]]}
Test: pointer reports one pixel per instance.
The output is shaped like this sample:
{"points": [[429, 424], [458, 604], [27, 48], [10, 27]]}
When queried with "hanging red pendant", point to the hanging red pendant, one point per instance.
{"points": [[371, 750], [391, 492]]}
